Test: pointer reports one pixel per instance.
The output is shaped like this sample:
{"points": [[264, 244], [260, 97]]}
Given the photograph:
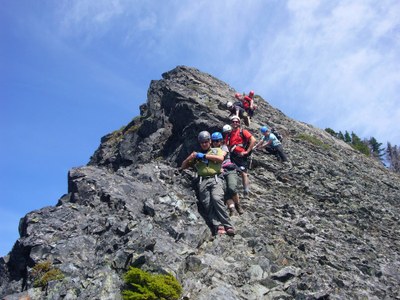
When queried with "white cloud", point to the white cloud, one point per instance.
{"points": [[336, 62], [148, 22], [323, 59], [87, 18]]}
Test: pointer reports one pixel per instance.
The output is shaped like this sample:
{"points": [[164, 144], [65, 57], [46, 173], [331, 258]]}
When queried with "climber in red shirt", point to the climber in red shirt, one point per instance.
{"points": [[247, 102], [240, 143]]}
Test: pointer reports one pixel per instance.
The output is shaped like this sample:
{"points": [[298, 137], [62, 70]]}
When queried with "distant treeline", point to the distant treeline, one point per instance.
{"points": [[389, 157]]}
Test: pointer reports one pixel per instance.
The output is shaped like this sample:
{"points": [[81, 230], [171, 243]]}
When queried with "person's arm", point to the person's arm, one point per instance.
{"points": [[258, 145], [218, 158], [252, 142], [251, 103], [266, 144], [189, 161], [224, 153]]}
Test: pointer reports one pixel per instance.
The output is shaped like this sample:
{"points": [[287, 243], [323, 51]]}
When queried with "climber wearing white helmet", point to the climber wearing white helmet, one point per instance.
{"points": [[207, 163], [236, 109], [240, 143]]}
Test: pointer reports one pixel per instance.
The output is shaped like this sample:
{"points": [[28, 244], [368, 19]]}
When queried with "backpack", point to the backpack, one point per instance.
{"points": [[277, 134]]}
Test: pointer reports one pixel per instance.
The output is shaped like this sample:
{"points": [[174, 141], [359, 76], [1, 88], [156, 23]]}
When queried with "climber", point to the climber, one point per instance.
{"points": [[247, 102], [240, 143], [208, 163], [236, 109], [272, 145], [229, 171]]}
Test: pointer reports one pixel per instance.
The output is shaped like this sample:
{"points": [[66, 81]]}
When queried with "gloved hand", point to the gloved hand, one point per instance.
{"points": [[200, 155]]}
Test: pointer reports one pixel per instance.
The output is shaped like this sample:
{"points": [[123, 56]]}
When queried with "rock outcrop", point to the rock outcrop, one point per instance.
{"points": [[325, 226]]}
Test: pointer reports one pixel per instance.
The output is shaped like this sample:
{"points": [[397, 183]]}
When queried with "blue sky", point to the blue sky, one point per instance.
{"points": [[73, 71]]}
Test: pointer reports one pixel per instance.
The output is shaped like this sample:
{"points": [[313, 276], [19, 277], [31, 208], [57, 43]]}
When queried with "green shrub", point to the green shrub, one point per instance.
{"points": [[44, 272], [313, 140], [146, 286]]}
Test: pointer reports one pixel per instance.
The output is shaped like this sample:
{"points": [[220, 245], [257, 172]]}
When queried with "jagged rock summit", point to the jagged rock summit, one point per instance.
{"points": [[326, 226]]}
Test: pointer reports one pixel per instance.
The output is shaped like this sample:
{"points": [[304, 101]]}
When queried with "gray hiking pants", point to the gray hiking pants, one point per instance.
{"points": [[231, 183], [211, 194], [278, 151]]}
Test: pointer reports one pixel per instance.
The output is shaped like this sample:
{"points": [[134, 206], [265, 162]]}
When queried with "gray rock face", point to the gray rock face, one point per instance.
{"points": [[324, 226]]}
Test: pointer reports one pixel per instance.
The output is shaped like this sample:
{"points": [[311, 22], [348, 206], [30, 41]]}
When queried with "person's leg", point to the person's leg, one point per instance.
{"points": [[227, 193], [246, 119], [231, 183], [231, 180], [273, 151], [237, 204], [281, 153], [246, 183], [204, 195], [270, 150], [230, 204], [205, 198], [241, 163], [217, 196]]}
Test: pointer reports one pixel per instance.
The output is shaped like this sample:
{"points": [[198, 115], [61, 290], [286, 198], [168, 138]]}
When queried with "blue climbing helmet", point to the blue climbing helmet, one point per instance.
{"points": [[216, 136], [264, 129]]}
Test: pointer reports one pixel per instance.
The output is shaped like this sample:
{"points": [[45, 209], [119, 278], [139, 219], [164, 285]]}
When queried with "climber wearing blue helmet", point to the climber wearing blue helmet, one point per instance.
{"points": [[271, 143], [229, 171], [216, 136]]}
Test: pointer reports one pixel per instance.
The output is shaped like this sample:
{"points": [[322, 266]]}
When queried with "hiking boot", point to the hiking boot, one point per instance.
{"points": [[246, 194], [239, 209], [230, 231], [221, 230]]}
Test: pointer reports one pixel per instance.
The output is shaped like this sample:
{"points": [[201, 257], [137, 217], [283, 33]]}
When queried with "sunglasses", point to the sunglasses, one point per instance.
{"points": [[217, 141], [235, 122]]}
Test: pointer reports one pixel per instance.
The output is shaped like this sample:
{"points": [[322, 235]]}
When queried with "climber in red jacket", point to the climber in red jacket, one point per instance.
{"points": [[240, 143], [247, 102]]}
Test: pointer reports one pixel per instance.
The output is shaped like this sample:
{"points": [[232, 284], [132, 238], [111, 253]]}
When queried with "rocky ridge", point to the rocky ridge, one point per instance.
{"points": [[323, 227]]}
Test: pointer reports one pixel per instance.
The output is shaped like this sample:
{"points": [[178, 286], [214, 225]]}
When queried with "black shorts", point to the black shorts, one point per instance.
{"points": [[242, 162]]}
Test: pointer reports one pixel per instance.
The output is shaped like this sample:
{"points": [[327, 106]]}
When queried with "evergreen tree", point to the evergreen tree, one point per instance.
{"points": [[340, 135], [358, 144], [389, 152], [331, 132], [396, 156], [376, 150], [393, 157], [371, 147], [347, 137]]}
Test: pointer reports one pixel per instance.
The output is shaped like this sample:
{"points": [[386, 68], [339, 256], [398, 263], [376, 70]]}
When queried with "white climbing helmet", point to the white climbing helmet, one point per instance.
{"points": [[235, 118], [226, 128]]}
